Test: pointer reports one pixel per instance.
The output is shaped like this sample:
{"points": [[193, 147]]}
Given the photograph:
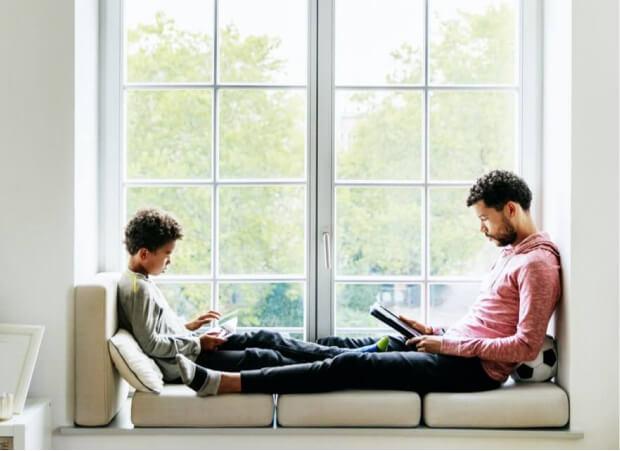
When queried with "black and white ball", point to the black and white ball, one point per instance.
{"points": [[542, 368]]}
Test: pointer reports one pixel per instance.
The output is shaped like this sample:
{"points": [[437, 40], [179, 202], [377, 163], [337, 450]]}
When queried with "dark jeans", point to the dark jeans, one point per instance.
{"points": [[401, 369], [263, 349]]}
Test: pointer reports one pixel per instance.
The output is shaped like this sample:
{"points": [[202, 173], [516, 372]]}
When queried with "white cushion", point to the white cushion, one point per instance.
{"points": [[100, 391], [178, 406], [350, 408], [542, 404], [135, 366]]}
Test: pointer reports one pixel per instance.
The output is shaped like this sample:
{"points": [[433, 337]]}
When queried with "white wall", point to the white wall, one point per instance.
{"points": [[580, 185], [86, 138], [36, 184]]}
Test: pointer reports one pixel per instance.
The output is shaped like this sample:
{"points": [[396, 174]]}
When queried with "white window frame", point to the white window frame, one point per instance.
{"points": [[528, 148], [320, 281]]}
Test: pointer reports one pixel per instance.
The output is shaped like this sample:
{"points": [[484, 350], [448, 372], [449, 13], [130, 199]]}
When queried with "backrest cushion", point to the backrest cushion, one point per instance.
{"points": [[99, 389], [135, 366]]}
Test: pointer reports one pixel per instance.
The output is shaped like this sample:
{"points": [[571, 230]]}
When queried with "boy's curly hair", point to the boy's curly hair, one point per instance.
{"points": [[498, 187], [151, 229]]}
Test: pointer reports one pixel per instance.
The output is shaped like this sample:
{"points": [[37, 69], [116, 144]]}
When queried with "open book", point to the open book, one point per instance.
{"points": [[388, 317]]}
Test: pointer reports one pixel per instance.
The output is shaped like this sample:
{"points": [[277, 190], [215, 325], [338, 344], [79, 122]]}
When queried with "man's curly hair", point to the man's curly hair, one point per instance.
{"points": [[151, 229], [498, 187]]}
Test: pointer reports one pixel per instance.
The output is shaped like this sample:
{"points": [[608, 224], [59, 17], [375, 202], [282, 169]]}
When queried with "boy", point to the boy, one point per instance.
{"points": [[150, 239]]}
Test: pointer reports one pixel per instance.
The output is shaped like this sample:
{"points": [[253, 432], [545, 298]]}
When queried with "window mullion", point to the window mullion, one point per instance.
{"points": [[425, 292], [324, 179]]}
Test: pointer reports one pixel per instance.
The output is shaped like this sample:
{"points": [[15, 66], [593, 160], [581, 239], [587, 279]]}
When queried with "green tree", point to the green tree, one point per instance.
{"points": [[262, 134]]}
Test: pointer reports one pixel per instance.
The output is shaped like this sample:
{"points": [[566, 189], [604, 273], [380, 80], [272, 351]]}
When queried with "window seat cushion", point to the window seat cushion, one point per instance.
{"points": [[513, 405], [350, 408], [178, 406]]}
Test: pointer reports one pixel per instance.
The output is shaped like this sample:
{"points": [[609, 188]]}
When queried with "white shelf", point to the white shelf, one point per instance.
{"points": [[31, 429]]}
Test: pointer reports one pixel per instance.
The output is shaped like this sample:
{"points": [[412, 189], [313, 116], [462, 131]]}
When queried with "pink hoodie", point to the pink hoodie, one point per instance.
{"points": [[507, 323]]}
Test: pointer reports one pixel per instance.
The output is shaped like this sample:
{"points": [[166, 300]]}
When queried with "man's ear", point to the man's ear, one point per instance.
{"points": [[511, 209]]}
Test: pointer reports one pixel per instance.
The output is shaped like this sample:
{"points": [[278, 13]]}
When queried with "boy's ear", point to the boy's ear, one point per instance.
{"points": [[142, 253]]}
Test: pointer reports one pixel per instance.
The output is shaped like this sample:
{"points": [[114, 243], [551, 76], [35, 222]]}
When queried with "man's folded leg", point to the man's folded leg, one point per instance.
{"points": [[397, 342]]}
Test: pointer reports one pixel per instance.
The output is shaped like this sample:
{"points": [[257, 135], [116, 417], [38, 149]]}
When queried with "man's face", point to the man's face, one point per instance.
{"points": [[156, 262], [495, 224]]}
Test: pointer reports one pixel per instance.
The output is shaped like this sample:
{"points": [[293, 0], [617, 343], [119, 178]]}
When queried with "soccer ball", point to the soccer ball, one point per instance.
{"points": [[542, 368]]}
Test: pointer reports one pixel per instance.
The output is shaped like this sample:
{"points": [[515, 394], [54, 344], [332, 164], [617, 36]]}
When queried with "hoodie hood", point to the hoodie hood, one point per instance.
{"points": [[533, 242]]}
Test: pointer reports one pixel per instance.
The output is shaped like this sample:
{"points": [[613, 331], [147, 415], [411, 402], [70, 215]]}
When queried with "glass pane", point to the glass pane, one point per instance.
{"points": [[262, 133], [264, 304], [354, 300], [450, 302], [457, 246], [471, 133], [379, 42], [192, 208], [379, 135], [169, 134], [263, 41], [188, 300], [378, 231], [169, 40], [261, 230], [473, 41]]}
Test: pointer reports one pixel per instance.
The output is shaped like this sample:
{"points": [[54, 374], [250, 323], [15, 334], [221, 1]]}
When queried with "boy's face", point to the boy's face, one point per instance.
{"points": [[157, 261]]}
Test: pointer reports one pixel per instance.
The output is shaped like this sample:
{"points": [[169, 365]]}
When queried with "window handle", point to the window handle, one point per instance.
{"points": [[327, 250]]}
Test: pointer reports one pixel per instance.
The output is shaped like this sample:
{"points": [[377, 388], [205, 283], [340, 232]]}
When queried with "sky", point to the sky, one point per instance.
{"points": [[367, 31]]}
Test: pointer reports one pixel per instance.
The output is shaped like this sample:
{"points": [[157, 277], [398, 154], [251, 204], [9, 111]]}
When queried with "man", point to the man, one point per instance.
{"points": [[505, 326]]}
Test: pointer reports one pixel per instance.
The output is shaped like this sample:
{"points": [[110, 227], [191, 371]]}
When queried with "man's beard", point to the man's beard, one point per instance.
{"points": [[506, 237]]}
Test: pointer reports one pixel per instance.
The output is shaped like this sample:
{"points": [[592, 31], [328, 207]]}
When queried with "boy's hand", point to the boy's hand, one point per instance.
{"points": [[203, 319], [426, 343], [209, 341], [417, 325]]}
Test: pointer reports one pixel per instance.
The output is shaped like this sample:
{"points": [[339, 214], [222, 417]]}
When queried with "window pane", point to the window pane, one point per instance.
{"points": [[264, 304], [458, 248], [379, 135], [169, 40], [169, 134], [471, 133], [353, 302], [473, 41], [188, 300], [379, 42], [261, 230], [378, 231], [192, 208], [262, 133], [262, 41], [450, 302]]}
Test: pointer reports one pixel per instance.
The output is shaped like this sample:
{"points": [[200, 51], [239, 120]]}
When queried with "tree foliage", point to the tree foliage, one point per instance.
{"points": [[262, 134]]}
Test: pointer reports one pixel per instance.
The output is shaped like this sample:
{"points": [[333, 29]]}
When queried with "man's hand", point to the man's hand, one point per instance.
{"points": [[203, 319], [426, 330], [426, 343], [209, 341]]}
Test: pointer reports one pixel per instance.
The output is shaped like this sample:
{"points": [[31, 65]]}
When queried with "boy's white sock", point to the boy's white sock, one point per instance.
{"points": [[203, 381]]}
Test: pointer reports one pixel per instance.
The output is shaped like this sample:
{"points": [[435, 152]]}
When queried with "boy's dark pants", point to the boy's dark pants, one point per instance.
{"points": [[263, 348]]}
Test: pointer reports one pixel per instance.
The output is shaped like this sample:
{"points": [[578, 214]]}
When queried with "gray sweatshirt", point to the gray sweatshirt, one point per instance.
{"points": [[143, 311]]}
